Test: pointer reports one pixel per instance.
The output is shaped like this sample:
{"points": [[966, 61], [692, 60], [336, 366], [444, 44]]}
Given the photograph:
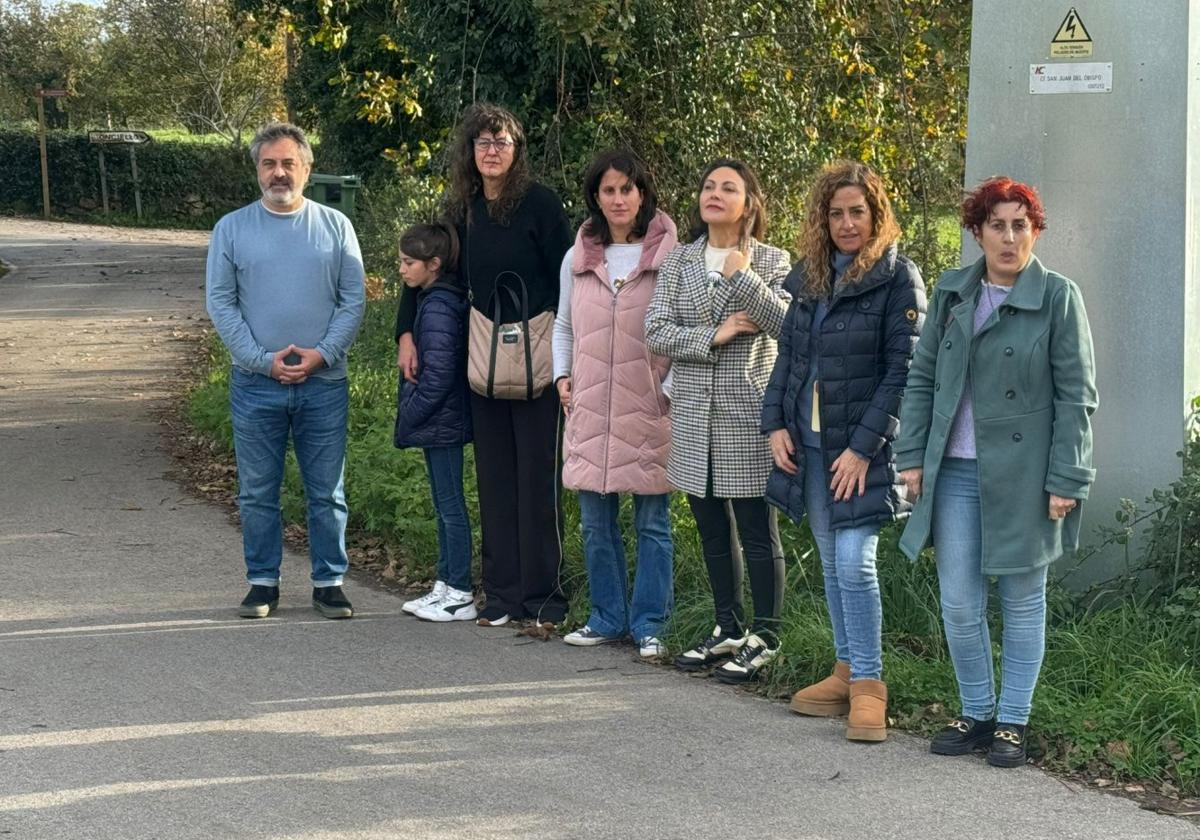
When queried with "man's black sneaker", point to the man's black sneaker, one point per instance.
{"points": [[962, 735], [747, 662], [717, 646], [1008, 746], [259, 601], [331, 602]]}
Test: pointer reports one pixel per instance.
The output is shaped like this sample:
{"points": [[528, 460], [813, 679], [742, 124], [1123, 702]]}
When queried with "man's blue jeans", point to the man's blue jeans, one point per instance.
{"points": [[959, 552], [604, 555], [851, 585], [445, 467], [314, 413]]}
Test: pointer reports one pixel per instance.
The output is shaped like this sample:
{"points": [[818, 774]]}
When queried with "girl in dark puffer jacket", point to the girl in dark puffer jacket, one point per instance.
{"points": [[433, 412]]}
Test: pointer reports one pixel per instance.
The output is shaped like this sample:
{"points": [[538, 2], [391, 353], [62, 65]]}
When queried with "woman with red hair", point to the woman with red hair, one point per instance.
{"points": [[995, 446]]}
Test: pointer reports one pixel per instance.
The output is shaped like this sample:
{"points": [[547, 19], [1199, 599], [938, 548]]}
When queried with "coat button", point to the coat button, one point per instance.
{"points": [[837, 362], [1017, 437], [948, 345], [841, 325], [866, 304], [937, 386], [1008, 395], [1008, 351]]}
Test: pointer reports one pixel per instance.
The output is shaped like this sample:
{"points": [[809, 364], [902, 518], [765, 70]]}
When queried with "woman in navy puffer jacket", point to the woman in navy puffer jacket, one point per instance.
{"points": [[831, 410]]}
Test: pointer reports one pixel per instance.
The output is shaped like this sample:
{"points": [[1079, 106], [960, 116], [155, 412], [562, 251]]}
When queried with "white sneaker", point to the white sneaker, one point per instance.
{"points": [[432, 597], [650, 647], [456, 605]]}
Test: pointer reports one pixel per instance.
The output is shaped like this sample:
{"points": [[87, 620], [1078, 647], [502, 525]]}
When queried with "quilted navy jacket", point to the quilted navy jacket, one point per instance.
{"points": [[866, 344], [436, 411]]}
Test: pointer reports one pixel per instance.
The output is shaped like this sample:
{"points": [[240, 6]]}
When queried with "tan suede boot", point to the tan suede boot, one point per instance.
{"points": [[868, 711], [828, 698]]}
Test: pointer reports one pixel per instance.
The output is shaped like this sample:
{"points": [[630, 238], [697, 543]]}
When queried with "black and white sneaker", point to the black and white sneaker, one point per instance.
{"points": [[431, 597], [747, 662], [455, 605], [717, 646], [585, 636]]}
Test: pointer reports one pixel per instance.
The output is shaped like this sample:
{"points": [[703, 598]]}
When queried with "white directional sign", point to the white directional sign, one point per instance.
{"points": [[118, 138]]}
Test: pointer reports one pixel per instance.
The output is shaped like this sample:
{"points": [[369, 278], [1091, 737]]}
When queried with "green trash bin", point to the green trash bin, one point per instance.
{"points": [[337, 191]]}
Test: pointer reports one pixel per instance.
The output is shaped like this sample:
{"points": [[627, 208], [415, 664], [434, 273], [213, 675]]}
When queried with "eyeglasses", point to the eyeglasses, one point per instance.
{"points": [[485, 143]]}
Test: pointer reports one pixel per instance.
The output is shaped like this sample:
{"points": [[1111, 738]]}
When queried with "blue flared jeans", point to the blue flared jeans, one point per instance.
{"points": [[613, 611]]}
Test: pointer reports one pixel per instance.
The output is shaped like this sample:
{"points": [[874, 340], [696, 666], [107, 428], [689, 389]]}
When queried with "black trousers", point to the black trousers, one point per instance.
{"points": [[520, 505], [758, 530]]}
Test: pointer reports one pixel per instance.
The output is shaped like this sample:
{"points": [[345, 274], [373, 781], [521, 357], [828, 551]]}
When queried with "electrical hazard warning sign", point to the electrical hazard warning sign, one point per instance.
{"points": [[1072, 39]]}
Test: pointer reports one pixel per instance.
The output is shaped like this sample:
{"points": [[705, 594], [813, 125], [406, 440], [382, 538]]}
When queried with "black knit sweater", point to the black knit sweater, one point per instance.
{"points": [[532, 245]]}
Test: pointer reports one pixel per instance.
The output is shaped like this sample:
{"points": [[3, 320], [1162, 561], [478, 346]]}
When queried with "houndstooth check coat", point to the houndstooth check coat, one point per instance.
{"points": [[717, 392]]}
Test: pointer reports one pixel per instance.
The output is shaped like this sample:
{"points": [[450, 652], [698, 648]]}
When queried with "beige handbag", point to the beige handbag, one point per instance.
{"points": [[510, 361]]}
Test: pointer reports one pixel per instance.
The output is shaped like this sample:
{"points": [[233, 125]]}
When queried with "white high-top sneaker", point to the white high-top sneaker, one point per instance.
{"points": [[455, 605], [431, 597]]}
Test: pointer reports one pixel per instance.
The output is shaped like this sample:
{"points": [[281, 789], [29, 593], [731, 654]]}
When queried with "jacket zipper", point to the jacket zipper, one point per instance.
{"points": [[612, 340]]}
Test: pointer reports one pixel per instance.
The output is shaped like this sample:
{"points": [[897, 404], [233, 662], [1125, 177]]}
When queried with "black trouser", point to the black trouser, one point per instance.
{"points": [[520, 505], [759, 533]]}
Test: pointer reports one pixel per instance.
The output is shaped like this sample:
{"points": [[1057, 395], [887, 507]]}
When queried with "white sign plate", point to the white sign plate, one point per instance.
{"points": [[1076, 77]]}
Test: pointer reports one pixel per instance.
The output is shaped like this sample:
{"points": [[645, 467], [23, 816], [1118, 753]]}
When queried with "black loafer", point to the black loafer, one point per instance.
{"points": [[331, 602], [1008, 747], [259, 601], [962, 735]]}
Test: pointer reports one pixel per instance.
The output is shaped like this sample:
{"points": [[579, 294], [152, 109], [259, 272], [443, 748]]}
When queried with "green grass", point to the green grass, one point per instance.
{"points": [[1120, 688]]}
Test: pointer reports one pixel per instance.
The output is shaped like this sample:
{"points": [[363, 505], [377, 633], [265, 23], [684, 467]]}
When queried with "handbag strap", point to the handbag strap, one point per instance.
{"points": [[523, 304], [497, 323]]}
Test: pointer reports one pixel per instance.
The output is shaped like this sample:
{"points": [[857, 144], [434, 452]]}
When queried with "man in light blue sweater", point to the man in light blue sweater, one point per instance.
{"points": [[285, 292]]}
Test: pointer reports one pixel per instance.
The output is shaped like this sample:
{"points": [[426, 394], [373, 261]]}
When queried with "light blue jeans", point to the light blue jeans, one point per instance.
{"points": [[851, 585], [314, 414], [613, 613], [958, 547]]}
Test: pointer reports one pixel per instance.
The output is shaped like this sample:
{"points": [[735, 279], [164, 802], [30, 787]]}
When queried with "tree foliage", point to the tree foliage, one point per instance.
{"points": [[785, 84], [146, 63]]}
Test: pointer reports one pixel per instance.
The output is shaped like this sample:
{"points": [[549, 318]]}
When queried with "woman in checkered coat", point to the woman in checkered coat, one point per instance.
{"points": [[716, 312]]}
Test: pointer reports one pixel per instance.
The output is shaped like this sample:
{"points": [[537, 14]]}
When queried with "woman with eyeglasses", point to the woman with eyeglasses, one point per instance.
{"points": [[508, 225], [831, 409], [716, 312], [996, 447]]}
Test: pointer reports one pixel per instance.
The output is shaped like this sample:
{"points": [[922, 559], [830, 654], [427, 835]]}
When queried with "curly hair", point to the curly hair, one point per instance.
{"points": [[815, 244], [465, 180], [999, 189], [628, 165], [754, 222]]}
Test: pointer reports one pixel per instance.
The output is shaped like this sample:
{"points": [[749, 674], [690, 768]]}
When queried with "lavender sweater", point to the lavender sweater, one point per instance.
{"points": [[962, 433]]}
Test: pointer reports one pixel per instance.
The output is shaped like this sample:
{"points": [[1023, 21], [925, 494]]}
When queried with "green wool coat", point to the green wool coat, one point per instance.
{"points": [[1032, 380]]}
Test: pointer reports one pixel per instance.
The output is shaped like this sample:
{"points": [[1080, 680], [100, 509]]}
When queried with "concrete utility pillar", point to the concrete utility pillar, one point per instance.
{"points": [[1097, 104]]}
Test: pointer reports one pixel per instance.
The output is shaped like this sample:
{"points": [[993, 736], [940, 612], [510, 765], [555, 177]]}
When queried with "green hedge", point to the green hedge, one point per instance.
{"points": [[191, 184]]}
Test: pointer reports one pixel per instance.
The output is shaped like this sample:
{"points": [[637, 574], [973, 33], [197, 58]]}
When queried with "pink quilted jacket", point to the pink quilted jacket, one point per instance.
{"points": [[618, 435]]}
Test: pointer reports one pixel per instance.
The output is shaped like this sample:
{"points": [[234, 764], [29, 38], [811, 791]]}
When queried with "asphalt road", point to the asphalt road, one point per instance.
{"points": [[135, 704]]}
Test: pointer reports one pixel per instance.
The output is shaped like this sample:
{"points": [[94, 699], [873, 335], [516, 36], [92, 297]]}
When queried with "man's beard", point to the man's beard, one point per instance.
{"points": [[273, 195]]}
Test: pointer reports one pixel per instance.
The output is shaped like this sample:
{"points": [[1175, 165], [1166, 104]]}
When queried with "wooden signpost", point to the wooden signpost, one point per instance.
{"points": [[132, 139], [41, 94]]}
